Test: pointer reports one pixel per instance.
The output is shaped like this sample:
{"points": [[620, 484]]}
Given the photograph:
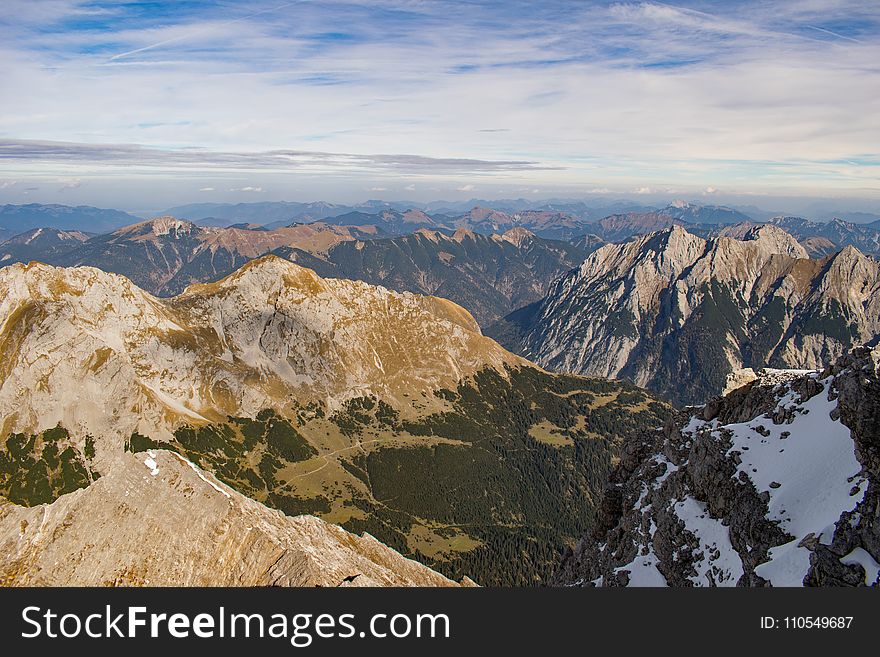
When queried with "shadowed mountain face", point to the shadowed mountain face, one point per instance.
{"points": [[775, 484], [676, 313], [44, 244], [384, 412]]}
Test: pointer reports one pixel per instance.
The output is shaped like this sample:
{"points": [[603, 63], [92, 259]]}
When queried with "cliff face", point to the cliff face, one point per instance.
{"points": [[776, 483]]}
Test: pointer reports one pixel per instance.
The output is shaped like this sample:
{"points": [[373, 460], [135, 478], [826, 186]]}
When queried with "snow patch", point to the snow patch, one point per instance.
{"points": [[643, 571], [810, 471], [201, 476], [720, 564], [787, 565], [150, 462], [861, 557]]}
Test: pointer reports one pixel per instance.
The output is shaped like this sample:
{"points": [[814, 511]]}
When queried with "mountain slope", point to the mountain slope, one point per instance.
{"points": [[384, 412], [167, 524], [44, 244], [488, 275], [775, 483], [676, 313]]}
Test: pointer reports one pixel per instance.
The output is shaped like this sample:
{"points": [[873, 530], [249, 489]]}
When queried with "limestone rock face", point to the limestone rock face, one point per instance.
{"points": [[676, 313], [775, 484], [157, 520]]}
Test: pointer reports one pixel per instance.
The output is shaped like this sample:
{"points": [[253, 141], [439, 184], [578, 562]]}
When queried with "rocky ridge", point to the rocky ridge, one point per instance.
{"points": [[677, 313], [776, 483], [158, 520], [271, 332]]}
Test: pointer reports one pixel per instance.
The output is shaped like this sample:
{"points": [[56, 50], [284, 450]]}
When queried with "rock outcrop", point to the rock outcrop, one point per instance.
{"points": [[158, 520], [776, 483]]}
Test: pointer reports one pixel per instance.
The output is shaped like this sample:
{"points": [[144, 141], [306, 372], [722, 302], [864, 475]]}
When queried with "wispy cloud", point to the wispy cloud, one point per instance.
{"points": [[35, 151], [621, 94]]}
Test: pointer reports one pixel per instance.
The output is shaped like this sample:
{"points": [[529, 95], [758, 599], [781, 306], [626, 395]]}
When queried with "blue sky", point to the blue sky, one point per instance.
{"points": [[139, 103]]}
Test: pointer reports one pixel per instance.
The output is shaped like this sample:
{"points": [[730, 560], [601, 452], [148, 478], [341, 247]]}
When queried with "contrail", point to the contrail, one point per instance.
{"points": [[839, 36], [159, 44]]}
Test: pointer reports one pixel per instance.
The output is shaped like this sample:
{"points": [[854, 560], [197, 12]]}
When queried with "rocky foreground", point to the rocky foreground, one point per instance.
{"points": [[157, 520], [776, 483]]}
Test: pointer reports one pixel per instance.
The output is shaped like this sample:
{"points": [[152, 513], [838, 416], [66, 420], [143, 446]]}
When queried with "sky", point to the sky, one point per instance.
{"points": [[143, 105]]}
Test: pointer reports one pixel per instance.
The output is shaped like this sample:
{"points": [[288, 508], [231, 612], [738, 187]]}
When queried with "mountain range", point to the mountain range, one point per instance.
{"points": [[16, 219], [676, 313], [336, 432], [490, 275]]}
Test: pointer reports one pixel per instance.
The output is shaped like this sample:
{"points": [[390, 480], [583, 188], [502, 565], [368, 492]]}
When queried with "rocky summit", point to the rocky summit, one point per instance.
{"points": [[677, 313], [775, 484]]}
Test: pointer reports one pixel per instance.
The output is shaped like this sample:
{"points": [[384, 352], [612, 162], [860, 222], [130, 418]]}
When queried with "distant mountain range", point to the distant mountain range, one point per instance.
{"points": [[676, 313], [489, 275], [16, 219], [165, 255], [840, 233]]}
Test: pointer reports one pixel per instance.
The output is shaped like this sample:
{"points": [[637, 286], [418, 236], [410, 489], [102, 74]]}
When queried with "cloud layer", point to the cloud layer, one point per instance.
{"points": [[750, 96]]}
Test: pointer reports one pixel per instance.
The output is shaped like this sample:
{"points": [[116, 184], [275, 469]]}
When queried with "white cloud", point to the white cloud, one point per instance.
{"points": [[642, 190], [206, 189], [74, 183], [249, 188], [377, 189], [710, 190], [466, 188], [8, 184], [750, 92], [410, 188]]}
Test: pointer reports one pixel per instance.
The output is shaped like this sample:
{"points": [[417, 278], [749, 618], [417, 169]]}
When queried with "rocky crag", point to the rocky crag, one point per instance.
{"points": [[676, 313], [776, 483]]}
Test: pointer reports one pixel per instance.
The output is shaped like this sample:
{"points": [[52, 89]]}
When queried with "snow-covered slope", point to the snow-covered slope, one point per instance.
{"points": [[775, 483]]}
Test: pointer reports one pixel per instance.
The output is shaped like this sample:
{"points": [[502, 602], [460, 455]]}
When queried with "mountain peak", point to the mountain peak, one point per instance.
{"points": [[160, 227], [263, 275], [518, 236], [778, 240]]}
